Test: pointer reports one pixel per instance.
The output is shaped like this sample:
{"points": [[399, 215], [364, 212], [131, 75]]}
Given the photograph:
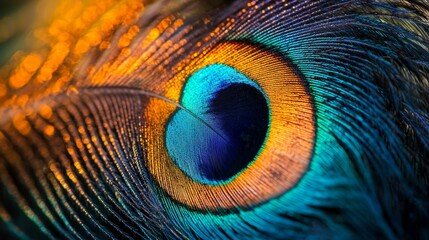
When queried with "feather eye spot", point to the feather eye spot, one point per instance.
{"points": [[280, 156]]}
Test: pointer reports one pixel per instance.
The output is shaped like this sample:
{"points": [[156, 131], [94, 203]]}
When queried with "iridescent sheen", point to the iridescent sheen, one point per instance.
{"points": [[191, 119]]}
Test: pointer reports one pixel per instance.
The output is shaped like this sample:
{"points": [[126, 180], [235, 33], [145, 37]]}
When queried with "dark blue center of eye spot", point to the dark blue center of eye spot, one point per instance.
{"points": [[242, 115]]}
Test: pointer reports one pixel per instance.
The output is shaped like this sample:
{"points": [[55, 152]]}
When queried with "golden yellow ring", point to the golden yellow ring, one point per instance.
{"points": [[286, 153]]}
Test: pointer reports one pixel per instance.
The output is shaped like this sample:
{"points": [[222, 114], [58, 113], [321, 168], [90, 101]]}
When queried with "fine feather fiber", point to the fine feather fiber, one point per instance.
{"points": [[135, 119]]}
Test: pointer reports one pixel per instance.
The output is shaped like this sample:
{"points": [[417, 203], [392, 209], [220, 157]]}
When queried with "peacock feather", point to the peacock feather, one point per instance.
{"points": [[139, 119]]}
